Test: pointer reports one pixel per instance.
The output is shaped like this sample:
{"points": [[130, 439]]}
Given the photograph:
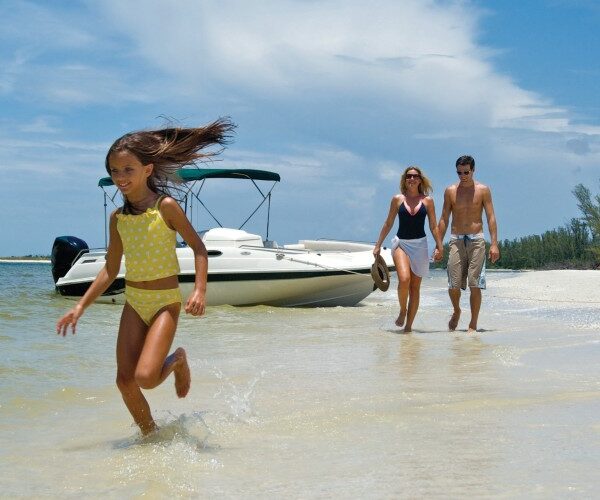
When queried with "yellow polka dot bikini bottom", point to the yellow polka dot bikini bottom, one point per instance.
{"points": [[148, 302]]}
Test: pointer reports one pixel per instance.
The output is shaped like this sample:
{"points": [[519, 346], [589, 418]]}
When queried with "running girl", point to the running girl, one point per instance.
{"points": [[141, 165]]}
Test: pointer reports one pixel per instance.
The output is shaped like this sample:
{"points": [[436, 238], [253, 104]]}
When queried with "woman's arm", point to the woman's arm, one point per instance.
{"points": [[438, 253], [389, 222], [105, 277], [177, 220]]}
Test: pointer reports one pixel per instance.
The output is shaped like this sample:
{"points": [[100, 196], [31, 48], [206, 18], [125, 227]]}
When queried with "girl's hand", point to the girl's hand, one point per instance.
{"points": [[437, 255], [376, 250], [70, 318], [195, 303]]}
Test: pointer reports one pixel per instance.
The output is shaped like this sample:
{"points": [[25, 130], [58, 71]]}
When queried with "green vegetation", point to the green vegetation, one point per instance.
{"points": [[564, 248], [573, 246], [591, 216]]}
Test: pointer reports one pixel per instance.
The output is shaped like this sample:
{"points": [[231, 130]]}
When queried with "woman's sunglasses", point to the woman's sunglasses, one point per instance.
{"points": [[413, 176]]}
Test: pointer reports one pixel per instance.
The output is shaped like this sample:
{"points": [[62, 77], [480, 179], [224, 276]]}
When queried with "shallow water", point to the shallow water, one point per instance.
{"points": [[307, 403]]}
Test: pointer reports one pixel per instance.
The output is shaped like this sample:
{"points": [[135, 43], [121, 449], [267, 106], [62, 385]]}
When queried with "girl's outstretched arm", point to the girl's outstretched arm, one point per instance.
{"points": [[105, 277], [176, 219]]}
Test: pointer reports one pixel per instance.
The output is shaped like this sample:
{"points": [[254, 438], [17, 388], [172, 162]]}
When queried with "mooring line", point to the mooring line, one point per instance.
{"points": [[292, 259]]}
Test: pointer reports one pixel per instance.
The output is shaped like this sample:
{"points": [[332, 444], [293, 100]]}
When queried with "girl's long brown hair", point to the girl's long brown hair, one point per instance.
{"points": [[170, 149]]}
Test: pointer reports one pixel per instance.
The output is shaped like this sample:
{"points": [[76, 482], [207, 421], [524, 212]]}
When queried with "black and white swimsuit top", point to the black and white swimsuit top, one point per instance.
{"points": [[412, 226]]}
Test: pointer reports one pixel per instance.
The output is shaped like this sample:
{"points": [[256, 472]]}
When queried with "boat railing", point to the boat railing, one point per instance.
{"points": [[323, 245], [275, 249], [370, 243], [312, 246]]}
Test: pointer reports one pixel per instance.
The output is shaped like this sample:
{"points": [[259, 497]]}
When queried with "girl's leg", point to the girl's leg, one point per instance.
{"points": [[413, 302], [154, 364], [403, 269], [130, 342]]}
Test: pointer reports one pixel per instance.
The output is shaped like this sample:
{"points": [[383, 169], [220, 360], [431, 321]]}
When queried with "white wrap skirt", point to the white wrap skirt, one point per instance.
{"points": [[417, 252]]}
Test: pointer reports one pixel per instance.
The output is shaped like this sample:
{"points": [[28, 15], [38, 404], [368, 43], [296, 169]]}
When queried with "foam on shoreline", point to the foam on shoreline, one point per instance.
{"points": [[24, 261]]}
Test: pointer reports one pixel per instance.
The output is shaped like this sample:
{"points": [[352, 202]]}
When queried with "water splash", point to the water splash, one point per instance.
{"points": [[168, 460], [238, 397]]}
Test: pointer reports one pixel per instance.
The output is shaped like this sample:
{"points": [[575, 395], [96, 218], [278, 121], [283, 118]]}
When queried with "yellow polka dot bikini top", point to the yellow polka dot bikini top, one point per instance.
{"points": [[148, 245]]}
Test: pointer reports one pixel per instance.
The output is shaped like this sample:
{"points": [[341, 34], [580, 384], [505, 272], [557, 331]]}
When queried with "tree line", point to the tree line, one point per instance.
{"points": [[576, 245]]}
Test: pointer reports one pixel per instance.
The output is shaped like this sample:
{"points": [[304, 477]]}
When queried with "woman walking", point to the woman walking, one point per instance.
{"points": [[409, 246]]}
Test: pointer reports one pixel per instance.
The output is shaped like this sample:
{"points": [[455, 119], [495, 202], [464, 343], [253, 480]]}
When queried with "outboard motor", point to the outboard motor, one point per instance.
{"points": [[64, 251]]}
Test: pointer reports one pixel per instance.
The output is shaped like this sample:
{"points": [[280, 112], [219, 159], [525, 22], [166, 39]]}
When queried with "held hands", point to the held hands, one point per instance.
{"points": [[494, 253], [195, 304], [70, 318], [438, 255]]}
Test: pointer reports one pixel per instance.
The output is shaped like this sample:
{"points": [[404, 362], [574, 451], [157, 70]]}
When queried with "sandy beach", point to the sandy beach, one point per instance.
{"points": [[558, 287], [314, 403]]}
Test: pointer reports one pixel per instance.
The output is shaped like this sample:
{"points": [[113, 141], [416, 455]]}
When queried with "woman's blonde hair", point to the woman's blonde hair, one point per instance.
{"points": [[425, 187]]}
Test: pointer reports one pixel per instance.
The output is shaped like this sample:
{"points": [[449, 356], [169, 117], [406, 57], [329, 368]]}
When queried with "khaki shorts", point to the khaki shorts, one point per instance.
{"points": [[466, 262]]}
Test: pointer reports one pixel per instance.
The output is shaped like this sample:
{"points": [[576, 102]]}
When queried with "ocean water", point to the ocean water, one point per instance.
{"points": [[308, 403]]}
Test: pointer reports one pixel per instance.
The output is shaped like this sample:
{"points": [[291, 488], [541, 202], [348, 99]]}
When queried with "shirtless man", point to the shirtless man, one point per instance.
{"points": [[466, 200]]}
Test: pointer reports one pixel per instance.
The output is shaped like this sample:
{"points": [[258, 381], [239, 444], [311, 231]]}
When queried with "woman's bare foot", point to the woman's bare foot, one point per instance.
{"points": [[400, 319], [453, 323], [181, 370]]}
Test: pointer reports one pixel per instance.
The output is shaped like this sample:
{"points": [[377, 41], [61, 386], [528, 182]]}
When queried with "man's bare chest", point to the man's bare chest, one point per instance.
{"points": [[468, 200]]}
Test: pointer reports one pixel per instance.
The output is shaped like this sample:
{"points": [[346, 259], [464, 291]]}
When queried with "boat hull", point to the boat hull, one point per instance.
{"points": [[244, 276], [309, 289]]}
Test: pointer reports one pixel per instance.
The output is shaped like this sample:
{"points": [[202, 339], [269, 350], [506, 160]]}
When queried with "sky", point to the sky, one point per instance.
{"points": [[337, 96]]}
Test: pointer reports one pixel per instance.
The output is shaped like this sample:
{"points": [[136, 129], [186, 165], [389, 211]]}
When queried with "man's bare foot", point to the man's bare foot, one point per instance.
{"points": [[408, 329], [472, 328], [400, 319], [453, 323], [181, 370]]}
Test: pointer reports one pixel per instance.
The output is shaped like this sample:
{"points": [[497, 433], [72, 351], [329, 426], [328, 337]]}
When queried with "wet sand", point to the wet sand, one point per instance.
{"points": [[314, 403]]}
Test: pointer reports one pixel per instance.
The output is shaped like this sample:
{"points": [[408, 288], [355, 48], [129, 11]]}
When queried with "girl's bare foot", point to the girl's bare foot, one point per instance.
{"points": [[453, 323], [181, 370], [400, 319], [148, 429]]}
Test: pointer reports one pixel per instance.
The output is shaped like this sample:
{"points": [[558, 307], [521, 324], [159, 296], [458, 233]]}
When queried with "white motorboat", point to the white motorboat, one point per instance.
{"points": [[243, 268]]}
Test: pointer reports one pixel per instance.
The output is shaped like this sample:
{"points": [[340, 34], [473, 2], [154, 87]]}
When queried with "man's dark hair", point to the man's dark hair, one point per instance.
{"points": [[466, 160]]}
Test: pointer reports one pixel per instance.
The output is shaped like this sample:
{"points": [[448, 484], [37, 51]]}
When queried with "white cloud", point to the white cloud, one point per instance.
{"points": [[415, 54], [391, 171], [336, 95], [40, 28], [51, 158], [40, 125], [420, 58], [64, 56]]}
